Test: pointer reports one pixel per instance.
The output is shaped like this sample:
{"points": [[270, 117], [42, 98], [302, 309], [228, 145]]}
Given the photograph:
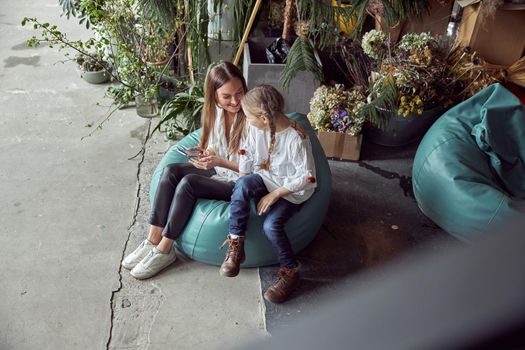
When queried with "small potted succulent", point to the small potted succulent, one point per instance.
{"points": [[92, 68]]}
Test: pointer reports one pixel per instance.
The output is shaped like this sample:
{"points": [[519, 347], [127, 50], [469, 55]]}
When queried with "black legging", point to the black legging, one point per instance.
{"points": [[180, 186]]}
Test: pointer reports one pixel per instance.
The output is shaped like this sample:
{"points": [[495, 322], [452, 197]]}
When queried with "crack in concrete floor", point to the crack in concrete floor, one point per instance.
{"points": [[125, 302]]}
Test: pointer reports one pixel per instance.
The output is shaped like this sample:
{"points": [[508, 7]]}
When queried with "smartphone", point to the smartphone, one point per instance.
{"points": [[188, 153]]}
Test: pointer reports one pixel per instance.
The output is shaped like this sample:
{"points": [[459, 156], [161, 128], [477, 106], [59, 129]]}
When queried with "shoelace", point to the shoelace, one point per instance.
{"points": [[231, 253], [284, 277]]}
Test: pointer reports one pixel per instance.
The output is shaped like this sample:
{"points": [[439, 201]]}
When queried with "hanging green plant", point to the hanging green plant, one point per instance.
{"points": [[182, 113], [382, 97], [302, 57]]}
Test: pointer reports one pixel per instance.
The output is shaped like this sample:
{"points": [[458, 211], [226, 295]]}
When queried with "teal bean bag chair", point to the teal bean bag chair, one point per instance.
{"points": [[469, 170], [208, 226]]}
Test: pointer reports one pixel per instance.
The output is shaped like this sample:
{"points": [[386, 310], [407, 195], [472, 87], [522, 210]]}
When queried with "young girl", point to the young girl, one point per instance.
{"points": [[279, 168], [210, 175]]}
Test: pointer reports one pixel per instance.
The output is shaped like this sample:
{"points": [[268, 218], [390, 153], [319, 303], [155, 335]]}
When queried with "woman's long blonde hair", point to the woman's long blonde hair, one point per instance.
{"points": [[217, 77]]}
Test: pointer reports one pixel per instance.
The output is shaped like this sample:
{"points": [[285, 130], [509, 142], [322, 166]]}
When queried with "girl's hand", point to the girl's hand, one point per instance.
{"points": [[266, 202]]}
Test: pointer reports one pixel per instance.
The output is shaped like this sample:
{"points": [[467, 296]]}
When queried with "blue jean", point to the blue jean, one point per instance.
{"points": [[252, 187]]}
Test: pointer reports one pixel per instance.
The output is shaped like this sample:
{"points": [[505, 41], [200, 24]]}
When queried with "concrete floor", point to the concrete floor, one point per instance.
{"points": [[71, 208]]}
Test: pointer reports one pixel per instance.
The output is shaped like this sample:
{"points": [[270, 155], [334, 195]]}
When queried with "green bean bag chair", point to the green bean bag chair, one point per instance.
{"points": [[208, 226], [469, 170]]}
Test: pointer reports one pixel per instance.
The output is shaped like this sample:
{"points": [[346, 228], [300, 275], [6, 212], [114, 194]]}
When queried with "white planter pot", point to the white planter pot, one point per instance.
{"points": [[257, 71]]}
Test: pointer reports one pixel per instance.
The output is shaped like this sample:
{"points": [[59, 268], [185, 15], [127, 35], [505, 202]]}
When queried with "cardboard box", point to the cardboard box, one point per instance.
{"points": [[499, 40], [339, 145], [435, 22]]}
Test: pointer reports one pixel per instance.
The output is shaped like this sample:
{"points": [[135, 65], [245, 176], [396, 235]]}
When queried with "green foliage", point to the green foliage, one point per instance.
{"points": [[91, 48], [163, 12], [393, 11], [383, 98], [182, 113], [301, 58], [72, 8]]}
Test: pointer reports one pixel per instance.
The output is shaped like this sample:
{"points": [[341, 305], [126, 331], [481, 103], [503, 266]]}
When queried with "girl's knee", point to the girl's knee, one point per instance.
{"points": [[247, 181], [273, 229], [242, 184]]}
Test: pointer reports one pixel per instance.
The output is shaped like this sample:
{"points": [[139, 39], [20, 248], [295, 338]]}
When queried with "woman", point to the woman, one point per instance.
{"points": [[211, 174]]}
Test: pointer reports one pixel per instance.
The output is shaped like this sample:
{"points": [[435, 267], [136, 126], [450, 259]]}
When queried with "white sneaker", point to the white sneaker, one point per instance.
{"points": [[153, 263], [137, 255]]}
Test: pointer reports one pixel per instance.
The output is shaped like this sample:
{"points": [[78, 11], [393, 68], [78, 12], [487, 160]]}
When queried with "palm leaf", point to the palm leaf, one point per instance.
{"points": [[301, 58], [184, 110], [377, 110], [164, 11]]}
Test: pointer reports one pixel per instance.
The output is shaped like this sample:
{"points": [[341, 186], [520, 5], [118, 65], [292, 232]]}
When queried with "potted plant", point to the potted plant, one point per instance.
{"points": [[321, 23], [92, 68], [410, 86], [181, 115], [334, 113]]}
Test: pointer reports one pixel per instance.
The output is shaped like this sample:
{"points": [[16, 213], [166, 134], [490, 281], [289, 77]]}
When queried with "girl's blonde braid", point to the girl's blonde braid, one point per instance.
{"points": [[271, 146]]}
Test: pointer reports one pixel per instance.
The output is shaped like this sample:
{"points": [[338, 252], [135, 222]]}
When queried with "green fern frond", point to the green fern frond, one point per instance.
{"points": [[301, 58], [164, 11], [385, 101], [184, 110], [396, 10]]}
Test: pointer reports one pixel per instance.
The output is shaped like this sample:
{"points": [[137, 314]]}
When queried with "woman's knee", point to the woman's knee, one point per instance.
{"points": [[174, 169]]}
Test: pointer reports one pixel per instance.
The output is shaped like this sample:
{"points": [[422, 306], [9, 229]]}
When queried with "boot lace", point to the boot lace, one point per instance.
{"points": [[234, 249], [284, 277]]}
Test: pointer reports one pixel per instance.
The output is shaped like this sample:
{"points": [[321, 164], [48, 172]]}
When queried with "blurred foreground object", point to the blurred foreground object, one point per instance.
{"points": [[452, 296]]}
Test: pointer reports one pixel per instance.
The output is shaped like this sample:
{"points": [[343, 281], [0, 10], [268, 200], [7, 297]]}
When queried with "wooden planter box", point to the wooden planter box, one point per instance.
{"points": [[257, 70], [339, 145]]}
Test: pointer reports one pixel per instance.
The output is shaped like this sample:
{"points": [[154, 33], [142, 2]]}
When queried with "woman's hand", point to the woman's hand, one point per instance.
{"points": [[206, 162], [267, 201], [209, 152], [197, 149]]}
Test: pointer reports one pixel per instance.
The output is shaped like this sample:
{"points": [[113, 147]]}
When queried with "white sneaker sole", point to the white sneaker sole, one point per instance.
{"points": [[150, 274]]}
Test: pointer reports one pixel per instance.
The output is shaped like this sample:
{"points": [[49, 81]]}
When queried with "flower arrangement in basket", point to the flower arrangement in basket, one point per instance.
{"points": [[407, 78], [334, 113]]}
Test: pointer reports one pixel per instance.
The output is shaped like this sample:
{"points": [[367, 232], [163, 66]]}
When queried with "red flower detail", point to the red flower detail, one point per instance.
{"points": [[242, 152], [310, 179]]}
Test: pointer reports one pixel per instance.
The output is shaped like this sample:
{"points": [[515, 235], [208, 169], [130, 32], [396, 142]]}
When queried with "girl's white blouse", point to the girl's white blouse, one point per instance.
{"points": [[291, 161], [217, 141]]}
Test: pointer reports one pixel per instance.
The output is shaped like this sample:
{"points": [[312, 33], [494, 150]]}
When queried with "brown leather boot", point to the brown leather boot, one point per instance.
{"points": [[288, 279], [234, 257]]}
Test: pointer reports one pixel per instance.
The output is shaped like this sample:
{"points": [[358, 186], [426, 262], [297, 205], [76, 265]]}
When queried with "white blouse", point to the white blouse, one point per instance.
{"points": [[291, 162], [217, 141]]}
